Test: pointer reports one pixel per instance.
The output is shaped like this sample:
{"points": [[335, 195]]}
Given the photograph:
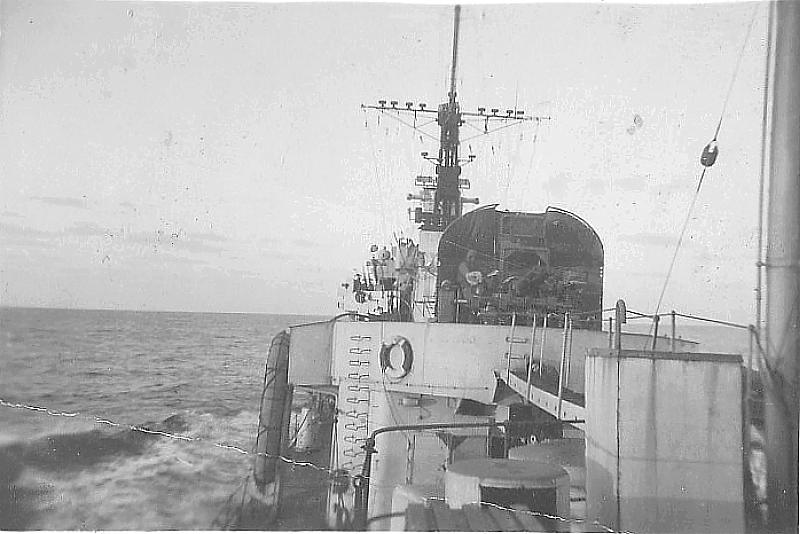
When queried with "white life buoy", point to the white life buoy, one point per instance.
{"points": [[397, 359]]}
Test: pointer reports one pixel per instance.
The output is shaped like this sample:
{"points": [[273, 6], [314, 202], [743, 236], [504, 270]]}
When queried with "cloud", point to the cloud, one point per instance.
{"points": [[559, 183], [69, 202], [649, 239], [10, 214], [157, 239], [636, 183], [680, 185], [596, 186], [115, 241], [85, 229], [305, 243], [207, 236], [14, 230]]}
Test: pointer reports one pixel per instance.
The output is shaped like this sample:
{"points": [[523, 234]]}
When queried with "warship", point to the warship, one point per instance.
{"points": [[472, 379]]}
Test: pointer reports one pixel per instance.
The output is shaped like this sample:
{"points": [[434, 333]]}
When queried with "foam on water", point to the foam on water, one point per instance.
{"points": [[193, 375], [134, 480]]}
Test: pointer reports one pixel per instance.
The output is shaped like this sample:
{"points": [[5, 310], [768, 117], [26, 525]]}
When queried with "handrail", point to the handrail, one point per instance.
{"points": [[544, 340], [716, 321], [334, 319], [562, 366], [633, 315], [530, 359], [638, 315], [511, 345]]}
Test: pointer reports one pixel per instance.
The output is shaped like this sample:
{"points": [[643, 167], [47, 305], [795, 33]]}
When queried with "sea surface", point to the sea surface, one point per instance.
{"points": [[196, 377]]}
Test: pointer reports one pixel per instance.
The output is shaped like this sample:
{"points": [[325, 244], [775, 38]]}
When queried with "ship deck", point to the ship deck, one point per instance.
{"points": [[436, 516]]}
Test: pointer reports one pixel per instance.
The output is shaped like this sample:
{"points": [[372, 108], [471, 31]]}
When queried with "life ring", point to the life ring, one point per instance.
{"points": [[265, 488], [393, 369]]}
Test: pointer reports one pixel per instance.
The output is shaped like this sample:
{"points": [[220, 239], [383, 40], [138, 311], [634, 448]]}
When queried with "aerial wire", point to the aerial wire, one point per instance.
{"points": [[711, 151], [533, 155], [736, 69], [377, 171]]}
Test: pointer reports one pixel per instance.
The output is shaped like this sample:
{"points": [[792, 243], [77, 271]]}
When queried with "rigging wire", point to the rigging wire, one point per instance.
{"points": [[711, 149], [736, 69], [679, 243], [408, 124], [533, 155], [378, 175], [468, 123], [512, 165], [537, 119]]}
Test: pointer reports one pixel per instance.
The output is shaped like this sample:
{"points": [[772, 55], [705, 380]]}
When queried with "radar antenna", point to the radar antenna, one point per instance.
{"points": [[440, 195]]}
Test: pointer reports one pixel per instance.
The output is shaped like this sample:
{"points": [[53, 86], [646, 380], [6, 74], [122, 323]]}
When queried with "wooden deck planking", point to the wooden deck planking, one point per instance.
{"points": [[436, 516], [478, 520], [529, 522], [504, 519], [447, 519], [417, 518]]}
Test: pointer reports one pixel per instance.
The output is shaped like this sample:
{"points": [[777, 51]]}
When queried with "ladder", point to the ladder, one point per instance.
{"points": [[527, 357], [532, 367]]}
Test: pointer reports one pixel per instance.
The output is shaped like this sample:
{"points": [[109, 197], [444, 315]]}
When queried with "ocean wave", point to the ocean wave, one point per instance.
{"points": [[64, 451], [161, 483], [117, 478]]}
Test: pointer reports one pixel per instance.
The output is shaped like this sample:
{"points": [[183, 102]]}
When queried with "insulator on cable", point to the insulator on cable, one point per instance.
{"points": [[710, 153]]}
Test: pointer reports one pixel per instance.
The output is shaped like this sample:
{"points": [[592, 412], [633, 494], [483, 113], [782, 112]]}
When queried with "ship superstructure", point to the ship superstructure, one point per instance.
{"points": [[484, 266], [467, 383]]}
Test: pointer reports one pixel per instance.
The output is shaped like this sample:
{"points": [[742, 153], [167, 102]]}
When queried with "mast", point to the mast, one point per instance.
{"points": [[783, 273], [440, 195], [447, 205], [456, 22]]}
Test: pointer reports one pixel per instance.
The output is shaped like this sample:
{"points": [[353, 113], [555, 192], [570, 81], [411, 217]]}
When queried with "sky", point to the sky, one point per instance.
{"points": [[215, 157]]}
